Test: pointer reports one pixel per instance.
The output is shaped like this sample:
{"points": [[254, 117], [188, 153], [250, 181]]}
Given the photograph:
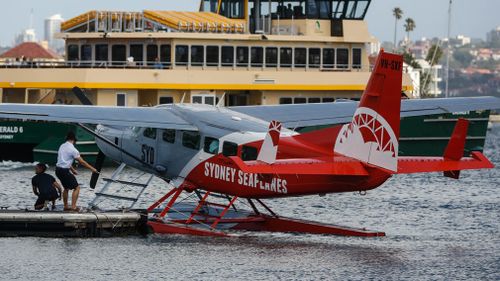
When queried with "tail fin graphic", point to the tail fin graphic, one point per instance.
{"points": [[269, 147], [372, 136]]}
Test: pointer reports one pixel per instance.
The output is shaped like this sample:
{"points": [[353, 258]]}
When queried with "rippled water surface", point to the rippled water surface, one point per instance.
{"points": [[437, 228]]}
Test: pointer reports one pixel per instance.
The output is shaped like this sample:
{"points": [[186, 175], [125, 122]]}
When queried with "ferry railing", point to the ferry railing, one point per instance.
{"points": [[165, 66]]}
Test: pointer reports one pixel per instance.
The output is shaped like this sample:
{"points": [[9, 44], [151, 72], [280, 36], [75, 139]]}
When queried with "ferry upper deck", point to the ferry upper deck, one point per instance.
{"points": [[253, 51]]}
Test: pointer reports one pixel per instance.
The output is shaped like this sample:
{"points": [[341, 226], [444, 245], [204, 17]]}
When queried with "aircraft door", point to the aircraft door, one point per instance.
{"points": [[141, 143], [165, 147]]}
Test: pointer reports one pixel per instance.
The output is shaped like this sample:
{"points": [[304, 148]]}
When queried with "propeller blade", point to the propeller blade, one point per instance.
{"points": [[98, 165], [80, 94]]}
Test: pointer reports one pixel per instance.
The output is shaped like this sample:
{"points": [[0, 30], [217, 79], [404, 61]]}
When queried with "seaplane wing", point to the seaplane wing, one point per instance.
{"points": [[300, 115], [160, 117]]}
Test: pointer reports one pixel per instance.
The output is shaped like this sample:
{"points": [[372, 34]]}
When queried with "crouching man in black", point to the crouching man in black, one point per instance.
{"points": [[45, 187]]}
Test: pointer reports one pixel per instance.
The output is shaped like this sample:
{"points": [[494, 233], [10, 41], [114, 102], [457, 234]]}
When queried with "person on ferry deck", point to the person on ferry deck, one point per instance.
{"points": [[66, 173], [45, 187]]}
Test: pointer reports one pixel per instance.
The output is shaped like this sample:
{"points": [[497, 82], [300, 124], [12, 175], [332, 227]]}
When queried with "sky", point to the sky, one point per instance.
{"points": [[472, 18]]}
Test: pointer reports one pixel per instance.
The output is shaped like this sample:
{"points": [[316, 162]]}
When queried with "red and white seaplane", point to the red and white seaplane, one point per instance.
{"points": [[353, 157], [239, 154]]}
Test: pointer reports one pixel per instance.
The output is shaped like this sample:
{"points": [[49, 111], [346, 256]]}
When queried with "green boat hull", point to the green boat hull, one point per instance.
{"points": [[429, 135], [30, 141], [420, 136]]}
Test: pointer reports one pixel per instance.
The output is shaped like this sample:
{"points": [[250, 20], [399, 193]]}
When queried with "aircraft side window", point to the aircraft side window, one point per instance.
{"points": [[149, 133], [211, 145], [191, 140], [229, 148], [169, 135], [248, 153]]}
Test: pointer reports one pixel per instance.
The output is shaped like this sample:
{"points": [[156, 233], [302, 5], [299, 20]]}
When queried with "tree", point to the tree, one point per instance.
{"points": [[463, 57], [409, 59], [398, 14], [409, 26], [434, 55]]}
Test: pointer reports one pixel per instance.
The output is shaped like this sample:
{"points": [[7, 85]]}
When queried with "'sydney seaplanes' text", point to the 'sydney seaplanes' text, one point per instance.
{"points": [[234, 175]]}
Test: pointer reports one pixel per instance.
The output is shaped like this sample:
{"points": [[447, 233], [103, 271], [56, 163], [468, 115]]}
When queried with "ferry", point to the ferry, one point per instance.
{"points": [[229, 52]]}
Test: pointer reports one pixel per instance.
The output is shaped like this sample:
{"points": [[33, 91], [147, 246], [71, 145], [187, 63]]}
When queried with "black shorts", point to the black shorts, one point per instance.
{"points": [[67, 179], [41, 199]]}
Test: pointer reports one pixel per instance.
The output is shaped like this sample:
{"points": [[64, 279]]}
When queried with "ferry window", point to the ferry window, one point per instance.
{"points": [[314, 100], [271, 57], [285, 57], [328, 58], [318, 9], [299, 100], [166, 100], [256, 56], [212, 55], [227, 56], [248, 153], [328, 99], [165, 54], [234, 9], [151, 54], [191, 140], [342, 58], [211, 145], [169, 135], [229, 148], [73, 52], [210, 5], [136, 51], [121, 99], [118, 54], [356, 58], [101, 52], [149, 133], [197, 55], [181, 55], [314, 57], [197, 99], [210, 100], [300, 57], [286, 101], [242, 56], [86, 52]]}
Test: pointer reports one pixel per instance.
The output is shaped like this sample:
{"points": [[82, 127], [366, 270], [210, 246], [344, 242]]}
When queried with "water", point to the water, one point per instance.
{"points": [[437, 228]]}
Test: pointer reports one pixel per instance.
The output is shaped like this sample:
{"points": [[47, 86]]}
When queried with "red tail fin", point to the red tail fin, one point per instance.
{"points": [[455, 148], [373, 134]]}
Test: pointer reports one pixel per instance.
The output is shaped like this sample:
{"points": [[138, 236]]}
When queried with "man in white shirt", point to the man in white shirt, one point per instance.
{"points": [[66, 173]]}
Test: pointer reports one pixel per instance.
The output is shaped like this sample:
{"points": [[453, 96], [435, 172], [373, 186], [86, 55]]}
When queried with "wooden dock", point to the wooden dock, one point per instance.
{"points": [[68, 224], [495, 118]]}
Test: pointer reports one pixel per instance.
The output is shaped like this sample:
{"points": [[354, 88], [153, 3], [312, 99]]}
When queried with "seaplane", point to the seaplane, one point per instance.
{"points": [[227, 156]]}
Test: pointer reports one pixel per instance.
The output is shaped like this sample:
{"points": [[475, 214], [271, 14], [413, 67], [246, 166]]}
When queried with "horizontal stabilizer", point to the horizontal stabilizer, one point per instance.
{"points": [[409, 165], [342, 167]]}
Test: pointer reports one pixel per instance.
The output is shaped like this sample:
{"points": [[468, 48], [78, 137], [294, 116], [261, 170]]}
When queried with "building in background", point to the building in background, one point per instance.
{"points": [[27, 35], [52, 26], [493, 36], [29, 54], [431, 76]]}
